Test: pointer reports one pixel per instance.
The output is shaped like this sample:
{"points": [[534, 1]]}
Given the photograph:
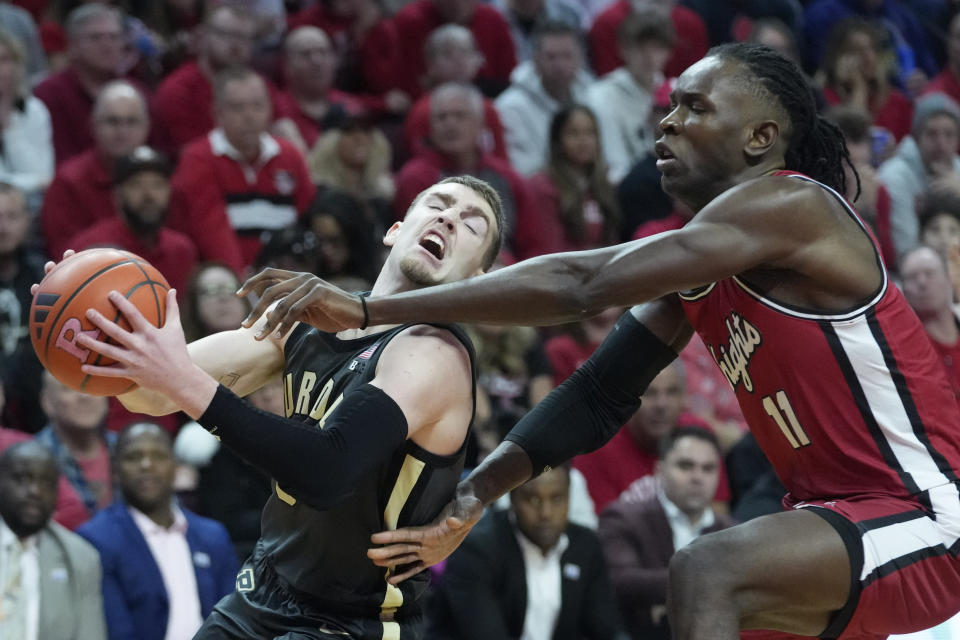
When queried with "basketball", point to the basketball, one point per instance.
{"points": [[81, 282]]}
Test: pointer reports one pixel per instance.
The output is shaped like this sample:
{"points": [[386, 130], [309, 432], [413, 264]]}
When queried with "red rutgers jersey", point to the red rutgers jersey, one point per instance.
{"points": [[843, 404]]}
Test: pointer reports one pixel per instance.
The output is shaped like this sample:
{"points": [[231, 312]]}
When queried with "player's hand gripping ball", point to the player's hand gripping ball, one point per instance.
{"points": [[81, 282]]}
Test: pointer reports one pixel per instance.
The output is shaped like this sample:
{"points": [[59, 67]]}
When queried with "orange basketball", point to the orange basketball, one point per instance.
{"points": [[81, 282]]}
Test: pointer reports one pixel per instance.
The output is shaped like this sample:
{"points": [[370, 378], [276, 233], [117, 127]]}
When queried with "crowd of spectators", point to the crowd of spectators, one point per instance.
{"points": [[218, 137]]}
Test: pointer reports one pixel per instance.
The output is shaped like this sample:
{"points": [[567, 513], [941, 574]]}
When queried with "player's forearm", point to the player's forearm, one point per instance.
{"points": [[544, 290], [507, 467], [146, 401]]}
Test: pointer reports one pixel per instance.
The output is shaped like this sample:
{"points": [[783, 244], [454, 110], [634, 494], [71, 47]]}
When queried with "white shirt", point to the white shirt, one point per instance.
{"points": [[26, 158], [623, 109], [684, 532], [30, 575], [543, 587], [172, 555]]}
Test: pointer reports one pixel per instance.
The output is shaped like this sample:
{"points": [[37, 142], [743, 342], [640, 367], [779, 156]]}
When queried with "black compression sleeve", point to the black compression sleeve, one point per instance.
{"points": [[584, 412], [319, 466]]}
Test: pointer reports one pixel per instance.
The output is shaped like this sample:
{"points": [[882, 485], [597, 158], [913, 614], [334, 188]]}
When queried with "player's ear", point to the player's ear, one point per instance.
{"points": [[390, 238], [763, 136]]}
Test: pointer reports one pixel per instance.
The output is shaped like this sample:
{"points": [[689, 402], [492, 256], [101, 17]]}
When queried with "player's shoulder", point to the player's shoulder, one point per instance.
{"points": [[784, 197], [428, 352], [443, 338]]}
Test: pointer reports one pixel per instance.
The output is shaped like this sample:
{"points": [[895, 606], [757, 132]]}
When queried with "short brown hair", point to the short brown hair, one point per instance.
{"points": [[648, 25], [491, 197]]}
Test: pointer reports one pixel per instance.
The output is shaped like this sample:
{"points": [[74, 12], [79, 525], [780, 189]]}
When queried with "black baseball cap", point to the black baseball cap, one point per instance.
{"points": [[143, 158]]}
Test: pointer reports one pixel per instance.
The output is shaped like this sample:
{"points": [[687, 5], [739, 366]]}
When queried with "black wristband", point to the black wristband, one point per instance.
{"points": [[366, 314], [588, 408]]}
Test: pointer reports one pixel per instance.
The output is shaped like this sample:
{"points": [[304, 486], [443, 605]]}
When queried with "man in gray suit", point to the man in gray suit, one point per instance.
{"points": [[49, 577]]}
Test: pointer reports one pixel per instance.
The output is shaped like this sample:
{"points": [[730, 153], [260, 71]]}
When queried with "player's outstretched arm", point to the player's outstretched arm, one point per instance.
{"points": [[580, 415], [739, 230]]}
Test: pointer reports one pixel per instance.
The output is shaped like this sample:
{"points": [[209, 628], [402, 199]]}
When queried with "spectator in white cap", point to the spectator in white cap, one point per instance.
{"points": [[928, 155]]}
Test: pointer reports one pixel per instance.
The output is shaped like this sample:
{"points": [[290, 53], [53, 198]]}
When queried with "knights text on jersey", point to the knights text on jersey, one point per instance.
{"points": [[842, 404], [321, 555]]}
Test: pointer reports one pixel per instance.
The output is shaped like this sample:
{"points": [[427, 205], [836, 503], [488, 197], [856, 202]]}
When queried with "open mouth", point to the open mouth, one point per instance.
{"points": [[434, 245], [663, 152]]}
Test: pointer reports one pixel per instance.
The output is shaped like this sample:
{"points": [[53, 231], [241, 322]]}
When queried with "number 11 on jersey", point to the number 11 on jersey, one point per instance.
{"points": [[782, 413]]}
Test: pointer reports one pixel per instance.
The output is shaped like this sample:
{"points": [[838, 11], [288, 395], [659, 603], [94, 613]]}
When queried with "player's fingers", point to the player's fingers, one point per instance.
{"points": [[109, 327], [129, 311], [67, 254], [400, 536], [385, 553], [289, 292], [103, 348], [257, 283], [409, 573], [268, 296], [173, 310], [107, 372], [33, 288], [48, 266]]}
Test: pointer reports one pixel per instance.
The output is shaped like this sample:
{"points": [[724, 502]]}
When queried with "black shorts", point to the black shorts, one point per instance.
{"points": [[263, 608]]}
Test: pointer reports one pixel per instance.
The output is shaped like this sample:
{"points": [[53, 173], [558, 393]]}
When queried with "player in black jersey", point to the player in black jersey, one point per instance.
{"points": [[376, 421]]}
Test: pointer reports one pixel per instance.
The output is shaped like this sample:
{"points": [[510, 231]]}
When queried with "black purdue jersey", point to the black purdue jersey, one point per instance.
{"points": [[321, 555]]}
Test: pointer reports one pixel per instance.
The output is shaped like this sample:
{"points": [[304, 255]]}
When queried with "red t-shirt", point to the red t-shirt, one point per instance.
{"points": [[373, 58], [950, 357], [417, 19], [895, 113], [80, 195], [543, 232], [174, 255], [230, 203], [691, 44], [566, 355], [70, 107], [416, 128], [310, 129], [944, 82], [612, 468]]}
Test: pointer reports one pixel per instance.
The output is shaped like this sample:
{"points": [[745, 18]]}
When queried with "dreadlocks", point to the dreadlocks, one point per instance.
{"points": [[816, 146]]}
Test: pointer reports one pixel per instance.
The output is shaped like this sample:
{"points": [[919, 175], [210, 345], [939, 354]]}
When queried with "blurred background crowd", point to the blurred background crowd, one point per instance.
{"points": [[218, 138]]}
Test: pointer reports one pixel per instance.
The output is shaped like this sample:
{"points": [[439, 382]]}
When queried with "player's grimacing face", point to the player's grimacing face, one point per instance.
{"points": [[444, 237], [703, 136]]}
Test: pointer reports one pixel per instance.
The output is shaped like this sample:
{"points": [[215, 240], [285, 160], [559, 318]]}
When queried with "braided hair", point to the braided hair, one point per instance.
{"points": [[816, 146]]}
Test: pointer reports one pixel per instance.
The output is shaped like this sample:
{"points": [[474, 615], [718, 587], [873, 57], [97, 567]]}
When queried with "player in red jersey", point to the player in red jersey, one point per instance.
{"points": [[786, 287]]}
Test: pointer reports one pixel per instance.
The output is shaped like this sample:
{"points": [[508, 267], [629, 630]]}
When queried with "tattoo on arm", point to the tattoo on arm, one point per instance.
{"points": [[229, 379]]}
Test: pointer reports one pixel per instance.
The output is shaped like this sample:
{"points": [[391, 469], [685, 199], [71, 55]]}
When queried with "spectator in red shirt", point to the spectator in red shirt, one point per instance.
{"points": [[82, 189], [95, 50], [239, 181], [451, 55], [142, 192], [691, 43], [417, 19], [857, 75], [310, 104], [456, 120], [182, 106], [576, 204], [627, 462], [927, 288], [365, 42]]}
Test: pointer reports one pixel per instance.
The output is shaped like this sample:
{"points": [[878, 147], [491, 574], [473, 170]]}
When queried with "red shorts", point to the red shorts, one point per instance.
{"points": [[904, 560]]}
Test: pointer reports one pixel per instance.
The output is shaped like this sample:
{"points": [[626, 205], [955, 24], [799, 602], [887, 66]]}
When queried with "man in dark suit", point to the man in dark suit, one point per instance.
{"points": [[49, 577], [163, 567], [528, 574], [640, 536]]}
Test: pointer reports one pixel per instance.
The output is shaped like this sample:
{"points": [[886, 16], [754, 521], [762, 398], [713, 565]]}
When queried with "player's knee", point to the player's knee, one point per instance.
{"points": [[698, 568]]}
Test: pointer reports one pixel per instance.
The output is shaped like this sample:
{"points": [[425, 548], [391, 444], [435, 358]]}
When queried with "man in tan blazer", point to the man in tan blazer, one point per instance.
{"points": [[49, 577]]}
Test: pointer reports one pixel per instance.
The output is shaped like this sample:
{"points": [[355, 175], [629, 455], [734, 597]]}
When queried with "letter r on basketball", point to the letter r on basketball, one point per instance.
{"points": [[67, 340]]}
